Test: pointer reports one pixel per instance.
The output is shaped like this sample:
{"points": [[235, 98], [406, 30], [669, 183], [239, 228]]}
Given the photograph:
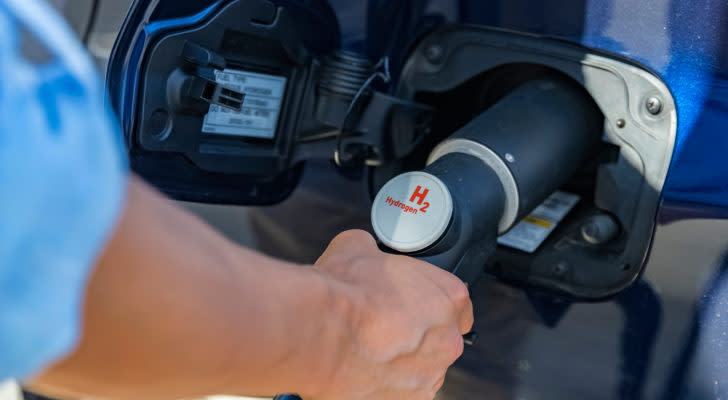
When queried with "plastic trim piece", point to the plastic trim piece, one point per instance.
{"points": [[404, 227], [494, 162], [628, 187]]}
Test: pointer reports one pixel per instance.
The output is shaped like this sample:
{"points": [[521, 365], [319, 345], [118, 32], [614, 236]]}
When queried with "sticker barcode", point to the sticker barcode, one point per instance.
{"points": [[259, 115], [530, 233]]}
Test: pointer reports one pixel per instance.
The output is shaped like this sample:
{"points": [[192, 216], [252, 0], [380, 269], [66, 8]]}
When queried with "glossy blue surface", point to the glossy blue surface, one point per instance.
{"points": [[159, 27], [641, 344], [682, 41], [123, 87]]}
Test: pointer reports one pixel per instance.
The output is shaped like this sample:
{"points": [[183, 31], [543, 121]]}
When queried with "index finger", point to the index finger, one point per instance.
{"points": [[458, 293]]}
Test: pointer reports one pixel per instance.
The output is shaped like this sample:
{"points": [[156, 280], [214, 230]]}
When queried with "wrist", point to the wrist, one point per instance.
{"points": [[326, 340], [295, 321]]}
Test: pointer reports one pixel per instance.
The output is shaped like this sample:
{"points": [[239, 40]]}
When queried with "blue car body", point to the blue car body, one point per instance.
{"points": [[653, 341]]}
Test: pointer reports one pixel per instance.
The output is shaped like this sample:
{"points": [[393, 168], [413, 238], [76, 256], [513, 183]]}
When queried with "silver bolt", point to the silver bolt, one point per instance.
{"points": [[654, 105], [434, 53], [600, 229], [510, 158], [621, 123]]}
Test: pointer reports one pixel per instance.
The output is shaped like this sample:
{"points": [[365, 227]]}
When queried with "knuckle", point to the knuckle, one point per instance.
{"points": [[468, 322], [469, 312], [459, 293], [455, 347]]}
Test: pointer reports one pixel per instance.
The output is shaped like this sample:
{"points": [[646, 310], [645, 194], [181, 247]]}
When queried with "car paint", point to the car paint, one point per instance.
{"points": [[646, 343]]}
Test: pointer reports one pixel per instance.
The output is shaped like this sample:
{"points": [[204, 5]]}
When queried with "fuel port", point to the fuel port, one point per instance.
{"points": [[553, 166], [489, 175]]}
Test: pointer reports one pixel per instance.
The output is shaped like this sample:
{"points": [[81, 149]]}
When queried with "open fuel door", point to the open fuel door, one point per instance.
{"points": [[213, 96]]}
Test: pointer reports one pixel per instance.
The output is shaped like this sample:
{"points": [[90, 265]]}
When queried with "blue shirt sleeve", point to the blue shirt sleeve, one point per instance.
{"points": [[62, 182]]}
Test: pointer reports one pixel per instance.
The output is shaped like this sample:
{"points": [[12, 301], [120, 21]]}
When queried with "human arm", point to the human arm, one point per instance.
{"points": [[175, 310]]}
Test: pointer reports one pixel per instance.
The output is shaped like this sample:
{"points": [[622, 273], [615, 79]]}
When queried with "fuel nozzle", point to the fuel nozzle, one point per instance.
{"points": [[488, 176]]}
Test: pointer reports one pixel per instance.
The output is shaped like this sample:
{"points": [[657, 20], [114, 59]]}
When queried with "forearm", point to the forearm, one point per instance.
{"points": [[175, 310]]}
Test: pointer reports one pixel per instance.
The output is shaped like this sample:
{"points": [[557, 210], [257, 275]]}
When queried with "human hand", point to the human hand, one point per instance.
{"points": [[405, 319]]}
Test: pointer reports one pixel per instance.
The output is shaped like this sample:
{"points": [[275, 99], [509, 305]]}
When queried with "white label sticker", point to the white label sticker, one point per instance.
{"points": [[412, 211], [530, 233], [261, 107]]}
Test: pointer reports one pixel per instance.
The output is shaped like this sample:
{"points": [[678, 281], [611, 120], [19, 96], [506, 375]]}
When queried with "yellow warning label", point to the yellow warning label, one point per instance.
{"points": [[531, 233], [540, 222]]}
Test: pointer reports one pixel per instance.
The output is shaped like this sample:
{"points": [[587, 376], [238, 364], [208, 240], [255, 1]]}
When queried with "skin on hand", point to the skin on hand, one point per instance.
{"points": [[174, 310], [406, 322]]}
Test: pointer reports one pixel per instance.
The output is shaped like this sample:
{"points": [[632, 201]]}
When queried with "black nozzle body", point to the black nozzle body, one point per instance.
{"points": [[506, 162], [543, 132]]}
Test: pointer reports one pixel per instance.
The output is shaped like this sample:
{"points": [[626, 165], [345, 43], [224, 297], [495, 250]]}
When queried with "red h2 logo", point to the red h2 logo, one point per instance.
{"points": [[419, 197]]}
